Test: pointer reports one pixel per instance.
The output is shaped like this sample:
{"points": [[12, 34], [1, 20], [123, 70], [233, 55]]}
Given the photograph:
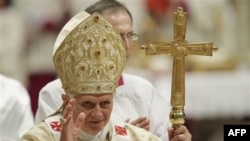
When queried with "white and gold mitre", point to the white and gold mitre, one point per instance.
{"points": [[89, 55]]}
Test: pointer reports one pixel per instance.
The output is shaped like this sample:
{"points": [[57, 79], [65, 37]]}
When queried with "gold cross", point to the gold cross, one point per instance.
{"points": [[179, 48]]}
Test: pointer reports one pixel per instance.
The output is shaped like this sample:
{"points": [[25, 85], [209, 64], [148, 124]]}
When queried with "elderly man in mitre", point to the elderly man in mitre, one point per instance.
{"points": [[89, 56]]}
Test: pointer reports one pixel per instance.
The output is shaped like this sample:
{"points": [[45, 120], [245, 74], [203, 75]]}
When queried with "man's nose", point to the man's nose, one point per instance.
{"points": [[97, 112], [127, 43]]}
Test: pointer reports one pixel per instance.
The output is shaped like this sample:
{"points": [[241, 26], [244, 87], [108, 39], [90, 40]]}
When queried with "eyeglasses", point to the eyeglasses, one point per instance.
{"points": [[132, 37]]}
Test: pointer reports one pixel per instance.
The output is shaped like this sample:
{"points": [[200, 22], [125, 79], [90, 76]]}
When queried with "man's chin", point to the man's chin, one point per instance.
{"points": [[96, 127]]}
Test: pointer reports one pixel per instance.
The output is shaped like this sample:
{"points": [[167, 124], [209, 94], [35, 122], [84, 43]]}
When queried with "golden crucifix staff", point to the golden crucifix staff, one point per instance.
{"points": [[179, 48]]}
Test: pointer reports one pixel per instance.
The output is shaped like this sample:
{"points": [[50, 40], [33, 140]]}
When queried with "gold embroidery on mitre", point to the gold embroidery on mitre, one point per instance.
{"points": [[91, 58]]}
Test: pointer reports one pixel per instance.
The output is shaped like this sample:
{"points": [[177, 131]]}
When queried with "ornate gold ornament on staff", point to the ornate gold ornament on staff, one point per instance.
{"points": [[179, 48]]}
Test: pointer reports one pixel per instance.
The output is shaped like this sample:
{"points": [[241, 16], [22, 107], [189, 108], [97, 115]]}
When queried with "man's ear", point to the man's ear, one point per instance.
{"points": [[65, 98]]}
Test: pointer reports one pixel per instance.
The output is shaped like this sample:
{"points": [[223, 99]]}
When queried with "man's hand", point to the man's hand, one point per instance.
{"points": [[142, 122], [179, 134], [71, 130]]}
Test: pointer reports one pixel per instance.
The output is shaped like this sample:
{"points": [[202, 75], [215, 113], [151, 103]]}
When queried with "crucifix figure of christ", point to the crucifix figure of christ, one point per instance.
{"points": [[179, 48]]}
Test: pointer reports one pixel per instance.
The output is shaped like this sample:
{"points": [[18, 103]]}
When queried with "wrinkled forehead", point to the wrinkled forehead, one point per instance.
{"points": [[93, 97]]}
